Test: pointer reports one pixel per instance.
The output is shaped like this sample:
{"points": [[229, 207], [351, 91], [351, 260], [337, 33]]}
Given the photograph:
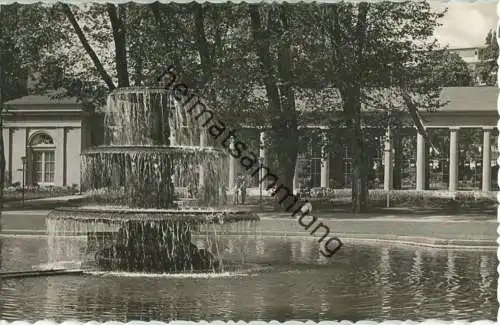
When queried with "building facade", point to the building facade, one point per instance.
{"points": [[402, 159], [51, 133], [43, 139]]}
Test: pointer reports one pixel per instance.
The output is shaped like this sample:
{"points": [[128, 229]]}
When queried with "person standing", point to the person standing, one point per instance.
{"points": [[236, 189], [224, 194], [306, 209], [243, 191]]}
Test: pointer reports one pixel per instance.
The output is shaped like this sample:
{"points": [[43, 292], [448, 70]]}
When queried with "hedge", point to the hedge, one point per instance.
{"points": [[406, 198], [15, 193]]}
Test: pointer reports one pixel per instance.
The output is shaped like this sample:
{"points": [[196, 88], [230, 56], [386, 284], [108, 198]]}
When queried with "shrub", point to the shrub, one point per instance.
{"points": [[419, 198]]}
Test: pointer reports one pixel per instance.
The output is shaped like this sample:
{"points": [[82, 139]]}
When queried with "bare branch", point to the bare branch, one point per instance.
{"points": [[97, 63]]}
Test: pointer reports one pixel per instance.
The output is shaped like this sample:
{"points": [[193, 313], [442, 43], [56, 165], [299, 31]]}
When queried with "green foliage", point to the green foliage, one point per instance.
{"points": [[422, 199], [28, 38], [487, 69], [280, 65], [452, 70]]}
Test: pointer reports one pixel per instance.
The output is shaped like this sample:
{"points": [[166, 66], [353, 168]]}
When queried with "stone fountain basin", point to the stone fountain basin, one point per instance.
{"points": [[142, 239], [186, 215]]}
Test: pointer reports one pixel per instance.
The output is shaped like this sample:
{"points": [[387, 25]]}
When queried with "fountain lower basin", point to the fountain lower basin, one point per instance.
{"points": [[118, 238], [117, 213]]}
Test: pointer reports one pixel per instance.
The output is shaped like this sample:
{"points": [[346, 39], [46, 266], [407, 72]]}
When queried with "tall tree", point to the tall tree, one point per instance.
{"points": [[453, 69], [487, 68], [378, 56], [277, 78], [27, 34]]}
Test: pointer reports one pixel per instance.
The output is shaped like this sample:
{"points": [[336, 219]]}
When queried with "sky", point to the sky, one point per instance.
{"points": [[466, 23]]}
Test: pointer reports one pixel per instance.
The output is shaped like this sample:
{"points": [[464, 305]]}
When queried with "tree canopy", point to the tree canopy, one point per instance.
{"points": [[257, 64], [487, 68]]}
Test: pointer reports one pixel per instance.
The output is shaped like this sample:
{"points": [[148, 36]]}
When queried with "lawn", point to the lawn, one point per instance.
{"points": [[15, 194]]}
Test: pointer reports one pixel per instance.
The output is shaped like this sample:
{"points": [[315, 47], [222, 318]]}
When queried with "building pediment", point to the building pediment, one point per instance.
{"points": [[50, 105]]}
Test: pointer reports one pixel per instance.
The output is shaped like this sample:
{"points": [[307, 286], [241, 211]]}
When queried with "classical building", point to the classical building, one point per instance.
{"points": [[403, 160], [43, 138], [50, 133]]}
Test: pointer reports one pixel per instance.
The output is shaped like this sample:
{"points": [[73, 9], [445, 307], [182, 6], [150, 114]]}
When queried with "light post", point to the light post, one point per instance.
{"points": [[388, 152], [23, 160], [261, 164]]}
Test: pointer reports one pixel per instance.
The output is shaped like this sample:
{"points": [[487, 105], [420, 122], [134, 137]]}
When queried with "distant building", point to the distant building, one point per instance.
{"points": [[50, 134], [471, 56]]}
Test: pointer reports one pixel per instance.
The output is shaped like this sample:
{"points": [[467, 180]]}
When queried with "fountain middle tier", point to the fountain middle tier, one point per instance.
{"points": [[141, 176]]}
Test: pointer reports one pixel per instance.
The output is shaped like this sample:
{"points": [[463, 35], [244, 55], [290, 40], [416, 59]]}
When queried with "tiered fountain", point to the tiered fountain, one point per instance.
{"points": [[133, 220]]}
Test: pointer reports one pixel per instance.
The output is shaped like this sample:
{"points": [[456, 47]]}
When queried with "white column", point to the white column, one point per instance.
{"points": [[486, 182], [388, 170], [325, 163], [453, 175], [262, 159], [232, 167], [296, 175], [421, 161], [59, 156], [203, 143]]}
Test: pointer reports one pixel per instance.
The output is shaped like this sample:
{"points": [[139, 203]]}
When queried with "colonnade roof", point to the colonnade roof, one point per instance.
{"points": [[457, 99], [470, 98], [40, 101]]}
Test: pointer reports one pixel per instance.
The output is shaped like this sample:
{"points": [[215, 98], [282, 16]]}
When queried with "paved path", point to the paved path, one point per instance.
{"points": [[429, 231]]}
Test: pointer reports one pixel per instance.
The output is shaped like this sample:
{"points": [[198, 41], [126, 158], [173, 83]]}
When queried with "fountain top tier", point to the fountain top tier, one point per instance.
{"points": [[148, 116]]}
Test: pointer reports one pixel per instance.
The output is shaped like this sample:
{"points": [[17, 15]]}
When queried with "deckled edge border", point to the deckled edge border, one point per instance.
{"points": [[498, 162], [273, 322], [308, 322], [221, 1]]}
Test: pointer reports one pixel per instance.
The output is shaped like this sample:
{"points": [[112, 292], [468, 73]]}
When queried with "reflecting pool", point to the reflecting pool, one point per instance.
{"points": [[293, 281]]}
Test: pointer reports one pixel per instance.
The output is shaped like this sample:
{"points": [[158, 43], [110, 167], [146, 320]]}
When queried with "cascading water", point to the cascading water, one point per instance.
{"points": [[135, 224]]}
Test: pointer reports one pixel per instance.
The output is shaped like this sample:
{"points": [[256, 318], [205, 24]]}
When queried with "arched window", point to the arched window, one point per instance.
{"points": [[43, 158]]}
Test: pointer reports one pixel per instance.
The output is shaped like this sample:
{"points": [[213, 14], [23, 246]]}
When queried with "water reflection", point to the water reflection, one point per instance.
{"points": [[487, 278], [452, 281], [416, 279], [384, 280], [360, 282]]}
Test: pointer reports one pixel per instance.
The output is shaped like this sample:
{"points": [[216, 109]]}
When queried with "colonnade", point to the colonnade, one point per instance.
{"points": [[389, 160], [453, 161], [263, 160]]}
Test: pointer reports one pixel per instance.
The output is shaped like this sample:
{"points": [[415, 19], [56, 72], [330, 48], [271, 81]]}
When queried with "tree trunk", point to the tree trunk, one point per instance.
{"points": [[288, 156], [280, 92], [117, 18], [285, 128], [93, 56], [352, 108], [351, 95]]}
